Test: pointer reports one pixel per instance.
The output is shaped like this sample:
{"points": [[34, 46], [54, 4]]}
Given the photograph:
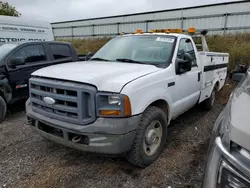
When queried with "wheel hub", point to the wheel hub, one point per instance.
{"points": [[151, 137]]}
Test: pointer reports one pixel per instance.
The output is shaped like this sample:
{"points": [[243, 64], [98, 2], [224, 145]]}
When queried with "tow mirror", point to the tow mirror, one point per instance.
{"points": [[185, 64], [16, 61]]}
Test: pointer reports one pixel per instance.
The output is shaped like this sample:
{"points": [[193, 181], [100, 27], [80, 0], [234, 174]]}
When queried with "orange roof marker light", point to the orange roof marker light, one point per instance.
{"points": [[139, 31], [152, 31], [175, 30], [167, 31], [161, 31], [191, 30]]}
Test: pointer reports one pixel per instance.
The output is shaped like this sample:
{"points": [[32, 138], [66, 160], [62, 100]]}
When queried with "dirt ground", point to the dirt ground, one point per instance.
{"points": [[27, 160]]}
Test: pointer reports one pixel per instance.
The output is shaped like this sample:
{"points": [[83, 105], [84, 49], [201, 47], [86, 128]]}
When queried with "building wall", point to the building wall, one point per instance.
{"points": [[218, 19]]}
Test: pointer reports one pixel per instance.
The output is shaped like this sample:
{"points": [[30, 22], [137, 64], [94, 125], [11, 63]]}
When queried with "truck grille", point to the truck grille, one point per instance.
{"points": [[68, 101]]}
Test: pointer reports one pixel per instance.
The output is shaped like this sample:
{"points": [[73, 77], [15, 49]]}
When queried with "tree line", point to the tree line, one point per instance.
{"points": [[8, 10]]}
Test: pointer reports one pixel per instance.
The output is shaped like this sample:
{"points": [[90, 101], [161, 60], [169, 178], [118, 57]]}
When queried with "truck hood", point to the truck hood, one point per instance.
{"points": [[106, 76], [240, 117]]}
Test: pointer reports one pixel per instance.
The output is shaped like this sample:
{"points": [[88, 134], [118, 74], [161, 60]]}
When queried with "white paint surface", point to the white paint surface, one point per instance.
{"points": [[106, 76]]}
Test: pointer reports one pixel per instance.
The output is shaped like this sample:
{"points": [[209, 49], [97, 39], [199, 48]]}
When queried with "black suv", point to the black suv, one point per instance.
{"points": [[19, 60]]}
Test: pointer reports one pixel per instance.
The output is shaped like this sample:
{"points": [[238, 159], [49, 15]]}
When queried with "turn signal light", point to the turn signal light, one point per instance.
{"points": [[110, 112], [127, 107]]}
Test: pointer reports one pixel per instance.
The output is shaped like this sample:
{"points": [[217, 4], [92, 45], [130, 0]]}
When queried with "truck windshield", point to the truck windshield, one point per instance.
{"points": [[144, 49], [5, 49]]}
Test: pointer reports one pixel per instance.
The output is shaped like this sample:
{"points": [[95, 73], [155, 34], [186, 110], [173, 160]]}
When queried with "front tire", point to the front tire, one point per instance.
{"points": [[150, 139], [3, 109]]}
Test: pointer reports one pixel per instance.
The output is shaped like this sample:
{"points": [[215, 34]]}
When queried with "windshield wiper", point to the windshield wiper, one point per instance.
{"points": [[98, 59], [139, 62], [132, 61]]}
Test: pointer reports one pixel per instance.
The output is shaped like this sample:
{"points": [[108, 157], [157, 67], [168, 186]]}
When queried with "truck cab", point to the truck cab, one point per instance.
{"points": [[124, 98]]}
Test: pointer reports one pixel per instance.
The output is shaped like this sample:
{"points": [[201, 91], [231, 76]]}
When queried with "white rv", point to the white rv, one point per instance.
{"points": [[15, 29]]}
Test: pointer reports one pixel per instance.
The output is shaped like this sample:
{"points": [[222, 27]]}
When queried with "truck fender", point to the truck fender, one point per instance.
{"points": [[6, 89], [216, 84], [151, 97]]}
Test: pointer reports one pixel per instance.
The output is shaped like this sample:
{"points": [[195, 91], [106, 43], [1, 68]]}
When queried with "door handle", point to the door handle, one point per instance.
{"points": [[199, 76], [212, 59]]}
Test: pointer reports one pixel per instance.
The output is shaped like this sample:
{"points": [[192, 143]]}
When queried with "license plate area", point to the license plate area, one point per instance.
{"points": [[51, 130]]}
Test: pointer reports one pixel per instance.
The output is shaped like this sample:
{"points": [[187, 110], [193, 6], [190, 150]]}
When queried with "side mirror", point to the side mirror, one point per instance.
{"points": [[89, 55], [184, 65], [16, 61]]}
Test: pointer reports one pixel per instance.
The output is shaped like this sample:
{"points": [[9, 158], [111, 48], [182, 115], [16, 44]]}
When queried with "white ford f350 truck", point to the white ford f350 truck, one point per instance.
{"points": [[123, 99]]}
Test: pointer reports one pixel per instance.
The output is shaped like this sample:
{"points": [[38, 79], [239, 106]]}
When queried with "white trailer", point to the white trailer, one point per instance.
{"points": [[15, 29]]}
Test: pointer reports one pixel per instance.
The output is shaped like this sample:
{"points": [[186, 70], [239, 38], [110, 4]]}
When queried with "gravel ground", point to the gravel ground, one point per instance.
{"points": [[27, 160]]}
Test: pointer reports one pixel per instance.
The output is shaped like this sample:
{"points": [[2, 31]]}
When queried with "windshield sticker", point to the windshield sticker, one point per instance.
{"points": [[160, 39]]}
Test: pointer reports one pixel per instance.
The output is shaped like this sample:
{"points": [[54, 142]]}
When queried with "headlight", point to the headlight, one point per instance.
{"points": [[113, 105], [114, 100], [230, 178]]}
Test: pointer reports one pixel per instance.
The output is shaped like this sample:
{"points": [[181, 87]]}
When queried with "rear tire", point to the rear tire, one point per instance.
{"points": [[209, 103], [3, 109], [150, 139]]}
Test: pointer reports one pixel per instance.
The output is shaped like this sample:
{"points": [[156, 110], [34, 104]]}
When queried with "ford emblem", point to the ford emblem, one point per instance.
{"points": [[49, 100]]}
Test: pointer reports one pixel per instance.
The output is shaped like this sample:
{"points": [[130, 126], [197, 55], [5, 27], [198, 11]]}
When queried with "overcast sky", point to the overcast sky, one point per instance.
{"points": [[63, 10]]}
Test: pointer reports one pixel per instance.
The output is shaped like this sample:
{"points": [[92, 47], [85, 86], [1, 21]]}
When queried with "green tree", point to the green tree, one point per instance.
{"points": [[8, 10]]}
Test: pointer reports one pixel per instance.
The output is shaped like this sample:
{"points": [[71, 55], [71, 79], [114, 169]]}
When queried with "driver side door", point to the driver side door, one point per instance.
{"points": [[34, 58], [187, 85]]}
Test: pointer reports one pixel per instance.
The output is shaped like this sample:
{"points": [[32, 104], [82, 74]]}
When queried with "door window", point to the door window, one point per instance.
{"points": [[186, 46], [31, 54], [60, 51]]}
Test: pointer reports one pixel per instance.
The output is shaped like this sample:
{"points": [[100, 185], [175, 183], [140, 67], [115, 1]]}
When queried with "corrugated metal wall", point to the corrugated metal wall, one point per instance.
{"points": [[219, 19]]}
